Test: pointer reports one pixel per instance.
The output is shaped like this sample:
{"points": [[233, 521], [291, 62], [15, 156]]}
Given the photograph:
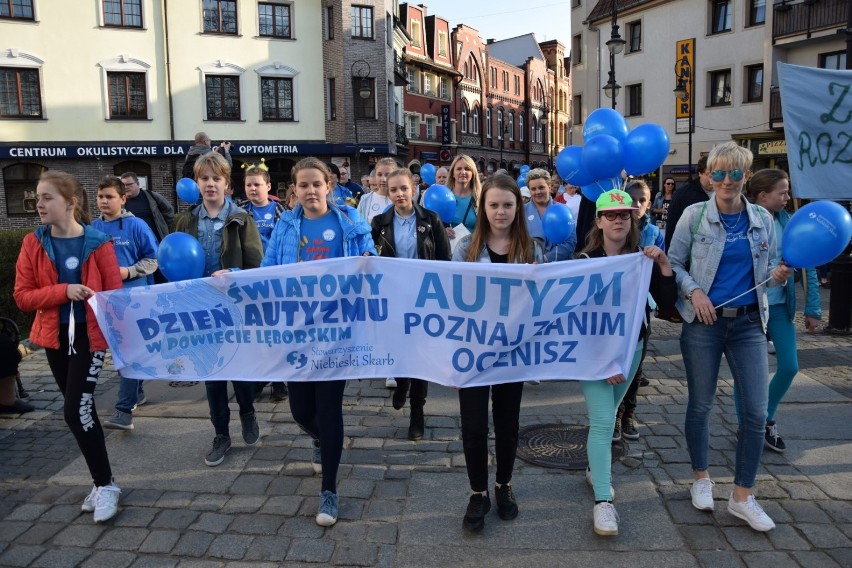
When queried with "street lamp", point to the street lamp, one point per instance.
{"points": [[615, 44], [502, 143], [360, 69], [685, 91]]}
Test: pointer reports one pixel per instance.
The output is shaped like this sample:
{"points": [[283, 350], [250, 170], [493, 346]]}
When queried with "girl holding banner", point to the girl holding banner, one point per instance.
{"points": [[724, 254], [407, 230], [500, 236], [616, 232], [770, 189], [61, 264], [313, 230]]}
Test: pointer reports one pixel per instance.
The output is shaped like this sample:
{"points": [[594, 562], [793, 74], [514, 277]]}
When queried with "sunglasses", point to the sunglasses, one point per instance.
{"points": [[613, 215], [719, 175]]}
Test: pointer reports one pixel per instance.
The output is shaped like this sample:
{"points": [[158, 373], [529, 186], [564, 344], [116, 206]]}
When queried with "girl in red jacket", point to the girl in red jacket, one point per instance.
{"points": [[61, 264]]}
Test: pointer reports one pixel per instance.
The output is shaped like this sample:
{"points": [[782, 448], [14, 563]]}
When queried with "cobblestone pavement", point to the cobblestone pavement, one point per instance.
{"points": [[402, 501]]}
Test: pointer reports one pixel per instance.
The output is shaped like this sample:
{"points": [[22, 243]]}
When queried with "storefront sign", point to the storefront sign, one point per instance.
{"points": [[772, 147], [446, 128]]}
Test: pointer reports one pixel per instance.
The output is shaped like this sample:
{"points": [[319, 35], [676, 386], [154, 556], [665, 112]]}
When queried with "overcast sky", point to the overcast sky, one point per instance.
{"points": [[502, 19]]}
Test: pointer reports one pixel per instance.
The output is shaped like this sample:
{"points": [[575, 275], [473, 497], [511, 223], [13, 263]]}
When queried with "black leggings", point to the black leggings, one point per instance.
{"points": [[77, 376], [506, 406], [317, 407], [629, 402]]}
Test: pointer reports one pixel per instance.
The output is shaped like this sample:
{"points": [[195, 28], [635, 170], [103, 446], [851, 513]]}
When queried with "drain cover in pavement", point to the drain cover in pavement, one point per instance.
{"points": [[561, 446]]}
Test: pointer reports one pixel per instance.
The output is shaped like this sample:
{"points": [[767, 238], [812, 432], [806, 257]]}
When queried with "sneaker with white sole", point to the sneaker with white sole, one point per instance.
{"points": [[772, 440], [89, 502], [140, 401], [327, 514], [702, 494], [589, 481], [119, 421], [316, 459], [751, 512], [390, 383], [606, 519], [106, 502], [216, 455]]}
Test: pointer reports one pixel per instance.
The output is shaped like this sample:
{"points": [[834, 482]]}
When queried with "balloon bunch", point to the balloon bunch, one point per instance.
{"points": [[522, 179], [610, 147]]}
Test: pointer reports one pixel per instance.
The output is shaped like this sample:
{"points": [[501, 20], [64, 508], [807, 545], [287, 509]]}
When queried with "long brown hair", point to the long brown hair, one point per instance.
{"points": [[70, 190], [764, 181], [595, 239], [520, 244]]}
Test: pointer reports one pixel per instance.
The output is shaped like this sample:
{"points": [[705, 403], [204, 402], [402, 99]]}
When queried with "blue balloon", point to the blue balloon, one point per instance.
{"points": [[180, 257], [569, 164], [187, 190], [603, 157], [524, 169], [605, 121], [427, 173], [595, 189], [558, 223], [522, 180], [440, 199], [645, 149], [816, 234]]}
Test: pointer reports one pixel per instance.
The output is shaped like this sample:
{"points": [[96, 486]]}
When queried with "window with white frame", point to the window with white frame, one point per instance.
{"points": [[521, 126], [488, 125], [429, 84], [474, 121], [415, 33], [500, 123], [413, 127], [511, 125], [431, 126], [464, 118], [445, 88], [442, 43], [126, 88], [411, 79]]}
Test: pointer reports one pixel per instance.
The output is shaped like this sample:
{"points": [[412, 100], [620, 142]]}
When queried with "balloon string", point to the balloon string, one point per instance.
{"points": [[744, 293]]}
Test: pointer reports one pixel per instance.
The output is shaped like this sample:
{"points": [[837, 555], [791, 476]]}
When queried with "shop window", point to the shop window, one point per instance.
{"points": [[21, 181]]}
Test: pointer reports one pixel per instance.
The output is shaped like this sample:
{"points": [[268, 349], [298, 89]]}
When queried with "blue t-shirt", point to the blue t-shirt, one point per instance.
{"points": [[735, 274], [133, 241], [320, 238], [68, 257], [463, 214], [265, 219]]}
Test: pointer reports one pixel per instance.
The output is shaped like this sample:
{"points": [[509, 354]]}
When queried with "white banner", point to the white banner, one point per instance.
{"points": [[453, 323], [817, 108]]}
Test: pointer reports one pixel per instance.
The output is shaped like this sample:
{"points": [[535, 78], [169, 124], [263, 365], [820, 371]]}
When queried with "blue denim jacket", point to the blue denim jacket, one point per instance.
{"points": [[708, 244]]}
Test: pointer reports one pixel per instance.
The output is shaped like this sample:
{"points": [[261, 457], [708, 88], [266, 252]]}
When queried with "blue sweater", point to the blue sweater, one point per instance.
{"points": [[135, 246], [284, 245]]}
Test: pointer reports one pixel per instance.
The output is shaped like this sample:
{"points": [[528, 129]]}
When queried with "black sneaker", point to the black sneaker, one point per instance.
{"points": [[616, 432], [216, 455], [477, 508], [251, 432], [772, 440], [507, 507], [628, 427], [279, 392]]}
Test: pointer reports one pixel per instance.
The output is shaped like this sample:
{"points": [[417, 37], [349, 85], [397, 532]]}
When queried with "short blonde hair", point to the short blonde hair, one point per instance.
{"points": [[215, 161], [730, 154], [538, 173]]}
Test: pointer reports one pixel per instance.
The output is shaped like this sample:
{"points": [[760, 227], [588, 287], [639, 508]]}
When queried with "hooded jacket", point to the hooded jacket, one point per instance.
{"points": [[284, 245], [37, 286], [135, 246]]}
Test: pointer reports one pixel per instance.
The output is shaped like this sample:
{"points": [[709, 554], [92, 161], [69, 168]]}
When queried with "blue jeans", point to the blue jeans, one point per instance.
{"points": [[602, 402], [129, 393], [742, 341]]}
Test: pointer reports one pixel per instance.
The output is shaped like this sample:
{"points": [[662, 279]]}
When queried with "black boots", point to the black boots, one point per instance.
{"points": [[418, 423]]}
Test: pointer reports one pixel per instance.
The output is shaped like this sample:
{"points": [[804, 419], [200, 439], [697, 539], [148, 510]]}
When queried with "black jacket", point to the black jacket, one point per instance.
{"points": [[432, 241], [689, 193]]}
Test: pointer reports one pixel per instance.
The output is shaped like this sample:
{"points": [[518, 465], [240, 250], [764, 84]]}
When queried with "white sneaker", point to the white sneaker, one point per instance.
{"points": [[390, 383], [770, 347], [106, 502], [702, 494], [606, 519], [751, 512], [589, 481], [89, 501]]}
